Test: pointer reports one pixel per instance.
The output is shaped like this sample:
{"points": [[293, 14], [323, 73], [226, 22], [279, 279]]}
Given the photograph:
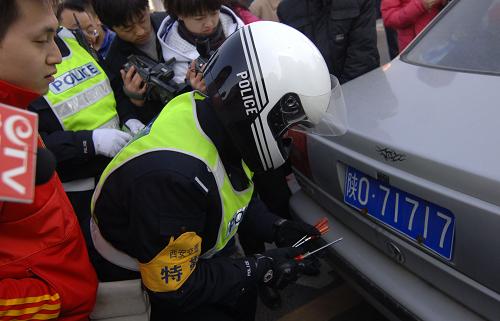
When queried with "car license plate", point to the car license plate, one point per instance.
{"points": [[429, 224]]}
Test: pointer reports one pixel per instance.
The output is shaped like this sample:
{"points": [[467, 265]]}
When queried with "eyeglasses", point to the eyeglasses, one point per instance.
{"points": [[90, 31]]}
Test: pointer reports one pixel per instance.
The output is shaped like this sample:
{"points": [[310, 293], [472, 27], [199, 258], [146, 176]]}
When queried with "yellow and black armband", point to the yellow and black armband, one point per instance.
{"points": [[169, 270]]}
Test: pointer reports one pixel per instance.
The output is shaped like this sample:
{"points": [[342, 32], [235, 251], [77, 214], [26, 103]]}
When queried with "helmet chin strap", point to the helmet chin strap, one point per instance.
{"points": [[228, 151]]}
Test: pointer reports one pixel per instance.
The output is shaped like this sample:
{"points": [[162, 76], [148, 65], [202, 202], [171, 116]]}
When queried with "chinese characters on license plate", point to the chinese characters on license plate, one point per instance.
{"points": [[429, 224]]}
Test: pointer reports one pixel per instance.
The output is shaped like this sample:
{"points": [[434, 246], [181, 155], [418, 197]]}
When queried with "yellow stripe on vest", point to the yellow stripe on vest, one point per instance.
{"points": [[168, 271]]}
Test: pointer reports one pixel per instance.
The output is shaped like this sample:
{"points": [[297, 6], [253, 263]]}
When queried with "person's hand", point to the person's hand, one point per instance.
{"points": [[196, 78], [277, 268], [134, 86], [287, 232], [311, 266], [108, 142], [428, 4], [134, 125]]}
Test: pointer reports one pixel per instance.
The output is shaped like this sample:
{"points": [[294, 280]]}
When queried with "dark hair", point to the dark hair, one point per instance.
{"points": [[75, 5], [115, 13], [9, 12], [235, 3], [189, 8]]}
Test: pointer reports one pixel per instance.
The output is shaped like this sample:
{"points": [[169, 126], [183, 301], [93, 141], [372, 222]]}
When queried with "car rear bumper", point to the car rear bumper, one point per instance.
{"points": [[398, 293]]}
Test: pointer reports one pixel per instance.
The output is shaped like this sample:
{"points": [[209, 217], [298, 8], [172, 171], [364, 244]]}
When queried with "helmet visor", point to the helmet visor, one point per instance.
{"points": [[332, 121]]}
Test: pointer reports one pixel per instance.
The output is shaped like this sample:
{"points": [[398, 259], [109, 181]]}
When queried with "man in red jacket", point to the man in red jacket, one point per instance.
{"points": [[45, 272]]}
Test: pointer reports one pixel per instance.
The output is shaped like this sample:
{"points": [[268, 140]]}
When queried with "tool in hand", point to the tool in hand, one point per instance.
{"points": [[303, 256], [321, 226]]}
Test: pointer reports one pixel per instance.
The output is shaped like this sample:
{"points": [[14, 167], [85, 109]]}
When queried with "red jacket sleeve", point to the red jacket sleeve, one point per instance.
{"points": [[28, 299], [397, 14]]}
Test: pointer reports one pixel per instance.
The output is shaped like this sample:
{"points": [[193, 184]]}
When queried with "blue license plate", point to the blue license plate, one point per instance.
{"points": [[429, 224]]}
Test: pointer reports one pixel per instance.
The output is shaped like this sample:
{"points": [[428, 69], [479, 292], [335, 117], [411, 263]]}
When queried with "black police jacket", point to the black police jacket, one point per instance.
{"points": [[116, 58], [155, 196], [343, 30], [74, 150]]}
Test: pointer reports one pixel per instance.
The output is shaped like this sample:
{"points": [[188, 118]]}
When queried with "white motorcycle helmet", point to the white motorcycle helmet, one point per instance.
{"points": [[265, 78]]}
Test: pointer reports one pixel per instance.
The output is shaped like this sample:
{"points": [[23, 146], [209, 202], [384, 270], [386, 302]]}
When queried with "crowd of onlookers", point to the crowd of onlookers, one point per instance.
{"points": [[86, 123]]}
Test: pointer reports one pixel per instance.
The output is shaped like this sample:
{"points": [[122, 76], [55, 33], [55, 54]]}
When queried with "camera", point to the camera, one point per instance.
{"points": [[157, 76], [203, 48]]}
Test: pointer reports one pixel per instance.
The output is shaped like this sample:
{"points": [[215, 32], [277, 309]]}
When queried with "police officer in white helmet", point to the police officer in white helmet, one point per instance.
{"points": [[170, 203]]}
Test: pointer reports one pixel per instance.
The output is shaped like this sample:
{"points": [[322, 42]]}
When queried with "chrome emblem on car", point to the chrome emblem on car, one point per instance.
{"points": [[390, 155]]}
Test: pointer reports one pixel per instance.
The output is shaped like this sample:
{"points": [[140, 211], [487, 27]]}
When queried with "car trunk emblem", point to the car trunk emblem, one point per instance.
{"points": [[390, 155]]}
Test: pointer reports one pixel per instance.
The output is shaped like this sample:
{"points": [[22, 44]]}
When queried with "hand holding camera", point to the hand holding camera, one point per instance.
{"points": [[133, 85]]}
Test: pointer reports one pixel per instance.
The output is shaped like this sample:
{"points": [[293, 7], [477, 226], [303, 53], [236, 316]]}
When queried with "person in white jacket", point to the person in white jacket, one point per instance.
{"points": [[190, 22]]}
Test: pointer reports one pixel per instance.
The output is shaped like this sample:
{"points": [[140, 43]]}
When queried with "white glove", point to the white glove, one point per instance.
{"points": [[108, 142], [134, 125]]}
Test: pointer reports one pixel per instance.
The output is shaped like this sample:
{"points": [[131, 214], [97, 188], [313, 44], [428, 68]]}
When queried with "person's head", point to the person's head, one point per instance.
{"points": [[260, 86], [28, 52], [130, 19], [200, 17], [74, 14]]}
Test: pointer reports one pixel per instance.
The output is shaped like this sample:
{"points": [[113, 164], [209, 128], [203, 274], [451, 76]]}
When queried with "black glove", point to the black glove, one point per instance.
{"points": [[277, 268], [310, 266], [270, 297], [287, 232]]}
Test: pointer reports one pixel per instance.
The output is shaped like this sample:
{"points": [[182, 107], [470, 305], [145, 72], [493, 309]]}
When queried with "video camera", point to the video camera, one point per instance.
{"points": [[203, 48], [157, 76]]}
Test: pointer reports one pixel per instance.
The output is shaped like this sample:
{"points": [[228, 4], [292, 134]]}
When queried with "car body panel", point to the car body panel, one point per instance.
{"points": [[456, 110], [435, 134], [426, 171]]}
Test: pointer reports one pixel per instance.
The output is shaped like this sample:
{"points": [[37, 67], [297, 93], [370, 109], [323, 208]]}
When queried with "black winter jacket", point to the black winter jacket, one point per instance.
{"points": [[343, 30], [114, 62]]}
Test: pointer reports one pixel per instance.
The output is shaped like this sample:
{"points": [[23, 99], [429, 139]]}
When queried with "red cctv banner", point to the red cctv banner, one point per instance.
{"points": [[18, 145]]}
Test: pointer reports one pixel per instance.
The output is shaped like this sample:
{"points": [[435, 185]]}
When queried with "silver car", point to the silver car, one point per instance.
{"points": [[413, 187]]}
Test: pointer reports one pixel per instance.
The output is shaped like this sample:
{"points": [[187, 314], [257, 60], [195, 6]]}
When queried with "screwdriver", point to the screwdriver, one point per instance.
{"points": [[303, 256], [321, 226]]}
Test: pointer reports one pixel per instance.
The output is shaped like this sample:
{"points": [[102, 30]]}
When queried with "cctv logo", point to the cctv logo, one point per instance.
{"points": [[18, 134], [73, 78]]}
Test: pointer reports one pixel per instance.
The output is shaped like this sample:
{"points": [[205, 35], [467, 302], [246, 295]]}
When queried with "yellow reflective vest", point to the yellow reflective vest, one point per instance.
{"points": [[177, 129], [81, 96]]}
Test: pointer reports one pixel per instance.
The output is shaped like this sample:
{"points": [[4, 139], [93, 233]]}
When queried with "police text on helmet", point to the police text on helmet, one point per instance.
{"points": [[246, 92]]}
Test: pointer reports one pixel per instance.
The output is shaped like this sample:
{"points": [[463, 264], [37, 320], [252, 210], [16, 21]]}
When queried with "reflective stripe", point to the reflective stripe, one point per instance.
{"points": [[113, 123], [109, 252], [79, 185], [201, 184], [83, 100]]}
